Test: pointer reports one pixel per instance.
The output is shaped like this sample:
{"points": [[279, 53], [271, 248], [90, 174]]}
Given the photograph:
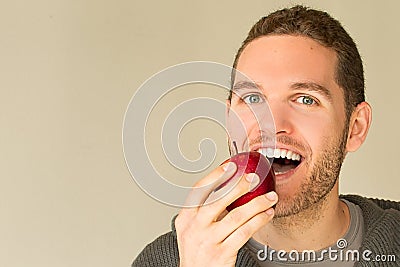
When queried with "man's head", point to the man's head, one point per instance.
{"points": [[309, 71], [321, 27]]}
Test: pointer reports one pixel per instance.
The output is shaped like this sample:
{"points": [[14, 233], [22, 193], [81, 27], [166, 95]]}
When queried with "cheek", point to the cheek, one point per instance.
{"points": [[317, 128], [242, 127]]}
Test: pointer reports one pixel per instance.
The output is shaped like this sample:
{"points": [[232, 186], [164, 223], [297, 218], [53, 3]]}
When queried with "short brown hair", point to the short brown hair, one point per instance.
{"points": [[327, 31]]}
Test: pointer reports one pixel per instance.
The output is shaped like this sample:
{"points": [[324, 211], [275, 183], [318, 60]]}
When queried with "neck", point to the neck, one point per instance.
{"points": [[317, 227]]}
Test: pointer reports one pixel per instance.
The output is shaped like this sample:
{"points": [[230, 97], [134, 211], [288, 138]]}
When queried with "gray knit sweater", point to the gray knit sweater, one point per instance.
{"points": [[382, 237]]}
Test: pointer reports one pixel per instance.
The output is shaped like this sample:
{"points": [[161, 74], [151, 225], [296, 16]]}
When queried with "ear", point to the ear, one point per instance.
{"points": [[228, 107], [360, 122], [228, 103]]}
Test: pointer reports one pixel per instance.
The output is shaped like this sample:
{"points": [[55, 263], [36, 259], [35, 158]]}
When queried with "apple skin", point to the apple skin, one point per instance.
{"points": [[252, 162]]}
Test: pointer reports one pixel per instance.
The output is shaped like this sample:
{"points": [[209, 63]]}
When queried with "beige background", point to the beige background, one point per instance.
{"points": [[68, 70]]}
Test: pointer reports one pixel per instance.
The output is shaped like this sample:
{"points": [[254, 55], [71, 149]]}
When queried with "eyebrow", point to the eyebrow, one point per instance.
{"points": [[314, 87], [245, 85]]}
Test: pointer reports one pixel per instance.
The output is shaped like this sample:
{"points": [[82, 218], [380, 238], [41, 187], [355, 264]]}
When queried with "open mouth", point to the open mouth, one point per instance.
{"points": [[283, 160]]}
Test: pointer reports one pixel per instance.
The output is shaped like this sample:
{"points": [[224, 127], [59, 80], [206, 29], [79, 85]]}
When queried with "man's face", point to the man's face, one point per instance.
{"points": [[295, 76]]}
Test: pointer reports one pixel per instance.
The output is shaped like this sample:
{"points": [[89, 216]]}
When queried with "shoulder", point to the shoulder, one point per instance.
{"points": [[374, 207], [163, 251], [381, 223], [377, 212]]}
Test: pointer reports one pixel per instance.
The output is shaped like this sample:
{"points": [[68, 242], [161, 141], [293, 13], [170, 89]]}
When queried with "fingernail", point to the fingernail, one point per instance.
{"points": [[252, 178], [272, 195], [270, 211], [229, 166]]}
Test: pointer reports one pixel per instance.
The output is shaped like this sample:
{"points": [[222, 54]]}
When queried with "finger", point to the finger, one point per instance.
{"points": [[202, 189], [223, 189], [232, 191], [240, 215], [241, 235]]}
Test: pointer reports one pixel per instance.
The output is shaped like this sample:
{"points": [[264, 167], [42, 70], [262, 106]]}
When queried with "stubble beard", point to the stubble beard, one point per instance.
{"points": [[313, 191]]}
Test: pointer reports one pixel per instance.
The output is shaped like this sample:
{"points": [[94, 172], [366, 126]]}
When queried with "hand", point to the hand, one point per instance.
{"points": [[210, 236]]}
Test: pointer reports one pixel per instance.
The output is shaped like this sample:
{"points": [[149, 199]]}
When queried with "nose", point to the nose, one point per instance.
{"points": [[282, 118]]}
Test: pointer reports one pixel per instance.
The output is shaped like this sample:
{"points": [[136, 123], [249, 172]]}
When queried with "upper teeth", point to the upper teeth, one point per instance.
{"points": [[279, 153]]}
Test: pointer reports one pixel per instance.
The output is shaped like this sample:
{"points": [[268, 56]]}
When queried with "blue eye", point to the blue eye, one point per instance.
{"points": [[252, 99], [306, 100]]}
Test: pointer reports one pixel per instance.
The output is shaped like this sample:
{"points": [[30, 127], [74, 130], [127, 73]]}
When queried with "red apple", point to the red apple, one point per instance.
{"points": [[252, 162]]}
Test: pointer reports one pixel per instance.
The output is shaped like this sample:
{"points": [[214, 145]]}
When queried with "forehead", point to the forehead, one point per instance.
{"points": [[278, 60]]}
